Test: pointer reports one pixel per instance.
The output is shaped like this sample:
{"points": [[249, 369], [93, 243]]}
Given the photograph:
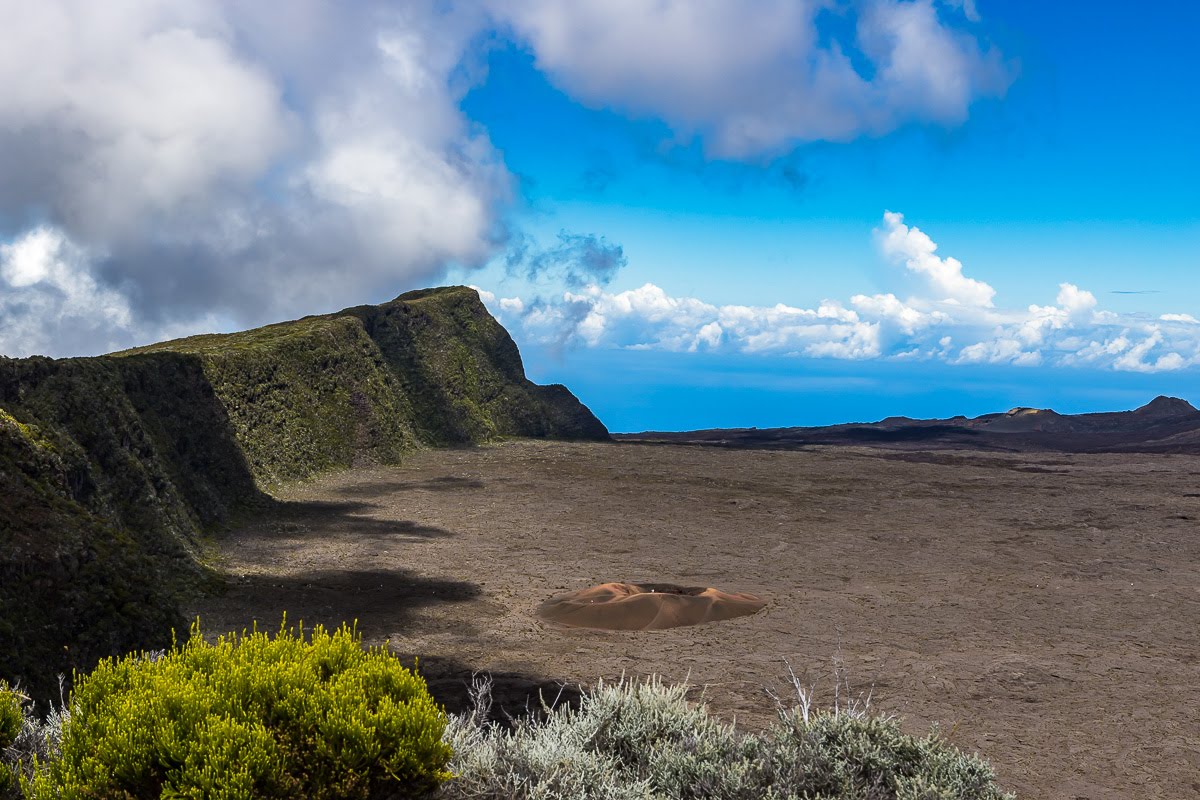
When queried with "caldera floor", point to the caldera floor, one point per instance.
{"points": [[1041, 608]]}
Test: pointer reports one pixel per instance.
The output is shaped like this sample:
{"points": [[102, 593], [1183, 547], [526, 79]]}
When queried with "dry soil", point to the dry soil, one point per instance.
{"points": [[1041, 608]]}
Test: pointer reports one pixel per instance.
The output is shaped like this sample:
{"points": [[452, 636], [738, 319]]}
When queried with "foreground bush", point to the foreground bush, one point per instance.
{"points": [[251, 716], [12, 720], [256, 717], [645, 741]]}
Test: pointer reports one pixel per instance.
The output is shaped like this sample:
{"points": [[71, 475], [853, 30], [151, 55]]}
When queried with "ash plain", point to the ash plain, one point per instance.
{"points": [[1040, 607]]}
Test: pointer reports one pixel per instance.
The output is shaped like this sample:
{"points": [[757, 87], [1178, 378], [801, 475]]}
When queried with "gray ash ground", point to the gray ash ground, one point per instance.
{"points": [[1040, 607]]}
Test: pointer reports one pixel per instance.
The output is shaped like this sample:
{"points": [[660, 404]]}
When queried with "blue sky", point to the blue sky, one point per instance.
{"points": [[691, 214]]}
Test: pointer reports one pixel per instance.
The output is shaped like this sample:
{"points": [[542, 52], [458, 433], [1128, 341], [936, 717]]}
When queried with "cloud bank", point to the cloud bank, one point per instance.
{"points": [[951, 319], [174, 167], [251, 160]]}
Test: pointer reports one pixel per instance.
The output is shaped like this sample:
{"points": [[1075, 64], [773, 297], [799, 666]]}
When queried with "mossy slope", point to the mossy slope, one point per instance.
{"points": [[108, 470], [462, 373], [371, 382], [111, 467], [302, 397]]}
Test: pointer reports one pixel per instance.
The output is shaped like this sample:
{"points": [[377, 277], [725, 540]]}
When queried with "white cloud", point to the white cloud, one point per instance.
{"points": [[889, 308], [955, 321], [709, 336], [1075, 305], [1000, 350], [141, 108], [250, 160], [754, 79], [1075, 301], [1134, 357], [1169, 361], [48, 291], [943, 275], [214, 159]]}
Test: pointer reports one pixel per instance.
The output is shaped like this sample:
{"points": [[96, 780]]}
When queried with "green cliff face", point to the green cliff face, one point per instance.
{"points": [[111, 467], [108, 471], [462, 374], [301, 397]]}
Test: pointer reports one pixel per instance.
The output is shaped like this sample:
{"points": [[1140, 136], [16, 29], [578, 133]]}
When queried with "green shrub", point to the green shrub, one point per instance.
{"points": [[12, 720], [250, 716], [645, 741]]}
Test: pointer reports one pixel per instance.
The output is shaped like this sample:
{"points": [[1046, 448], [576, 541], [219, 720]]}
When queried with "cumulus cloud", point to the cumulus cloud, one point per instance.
{"points": [[943, 275], [755, 79], [254, 160], [47, 289], [952, 319], [109, 118]]}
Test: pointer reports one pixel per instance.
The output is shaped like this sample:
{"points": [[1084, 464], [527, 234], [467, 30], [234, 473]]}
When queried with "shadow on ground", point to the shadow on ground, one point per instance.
{"points": [[323, 518], [381, 601], [514, 694]]}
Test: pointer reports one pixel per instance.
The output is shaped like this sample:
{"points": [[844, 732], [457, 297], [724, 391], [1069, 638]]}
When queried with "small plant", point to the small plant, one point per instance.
{"points": [[645, 741], [26, 740], [250, 716]]}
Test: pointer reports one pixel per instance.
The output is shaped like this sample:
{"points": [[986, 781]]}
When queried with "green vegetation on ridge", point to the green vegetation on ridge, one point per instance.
{"points": [[112, 467], [303, 397], [107, 475], [430, 367]]}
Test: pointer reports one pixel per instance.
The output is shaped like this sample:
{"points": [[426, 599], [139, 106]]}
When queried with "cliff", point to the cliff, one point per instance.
{"points": [[111, 468]]}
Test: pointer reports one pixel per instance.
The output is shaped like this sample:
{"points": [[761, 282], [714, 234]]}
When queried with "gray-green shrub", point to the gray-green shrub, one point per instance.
{"points": [[645, 741]]}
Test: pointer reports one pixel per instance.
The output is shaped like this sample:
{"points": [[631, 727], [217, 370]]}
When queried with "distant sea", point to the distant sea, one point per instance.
{"points": [[638, 390]]}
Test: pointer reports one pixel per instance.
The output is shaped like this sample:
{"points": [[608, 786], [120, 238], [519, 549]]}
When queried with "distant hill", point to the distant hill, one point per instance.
{"points": [[111, 467], [1164, 425]]}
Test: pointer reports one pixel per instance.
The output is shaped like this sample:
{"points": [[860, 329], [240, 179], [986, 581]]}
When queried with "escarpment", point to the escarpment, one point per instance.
{"points": [[112, 467]]}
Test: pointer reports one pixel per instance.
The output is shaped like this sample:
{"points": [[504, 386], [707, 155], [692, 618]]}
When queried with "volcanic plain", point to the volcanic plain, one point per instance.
{"points": [[1040, 607]]}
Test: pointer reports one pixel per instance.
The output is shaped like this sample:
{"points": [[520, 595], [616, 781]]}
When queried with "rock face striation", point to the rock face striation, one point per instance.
{"points": [[112, 467]]}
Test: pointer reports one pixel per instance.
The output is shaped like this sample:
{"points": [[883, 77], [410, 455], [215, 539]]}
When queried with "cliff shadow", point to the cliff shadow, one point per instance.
{"points": [[382, 600], [193, 434], [330, 519], [109, 470]]}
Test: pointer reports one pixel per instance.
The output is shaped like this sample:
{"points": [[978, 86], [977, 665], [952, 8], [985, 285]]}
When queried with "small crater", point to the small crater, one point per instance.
{"points": [[646, 606]]}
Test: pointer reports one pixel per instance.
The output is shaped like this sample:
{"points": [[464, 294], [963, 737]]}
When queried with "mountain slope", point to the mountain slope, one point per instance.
{"points": [[111, 467], [462, 372]]}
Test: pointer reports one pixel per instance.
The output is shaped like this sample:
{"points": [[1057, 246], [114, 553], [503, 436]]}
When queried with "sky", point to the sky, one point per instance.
{"points": [[694, 213]]}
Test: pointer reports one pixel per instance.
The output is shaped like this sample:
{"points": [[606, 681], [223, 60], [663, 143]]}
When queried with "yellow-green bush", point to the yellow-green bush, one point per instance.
{"points": [[11, 720], [251, 716], [11, 717]]}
